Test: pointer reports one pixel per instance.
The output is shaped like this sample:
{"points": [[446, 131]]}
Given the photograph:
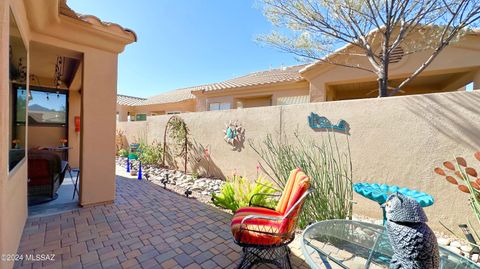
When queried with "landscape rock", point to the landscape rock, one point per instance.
{"points": [[454, 250], [444, 241], [475, 257], [466, 249], [456, 244]]}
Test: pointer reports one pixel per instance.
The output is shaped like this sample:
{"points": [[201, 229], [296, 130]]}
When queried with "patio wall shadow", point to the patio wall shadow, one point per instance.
{"points": [[396, 140]]}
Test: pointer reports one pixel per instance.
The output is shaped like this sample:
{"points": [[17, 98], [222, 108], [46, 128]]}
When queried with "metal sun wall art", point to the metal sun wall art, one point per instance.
{"points": [[319, 122], [234, 134]]}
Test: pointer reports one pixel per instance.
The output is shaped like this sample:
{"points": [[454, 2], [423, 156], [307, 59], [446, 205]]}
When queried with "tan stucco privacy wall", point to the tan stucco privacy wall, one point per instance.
{"points": [[396, 140]]}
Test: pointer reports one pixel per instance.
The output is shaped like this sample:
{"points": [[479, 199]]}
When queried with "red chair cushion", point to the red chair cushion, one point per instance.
{"points": [[256, 211], [257, 231], [266, 232]]}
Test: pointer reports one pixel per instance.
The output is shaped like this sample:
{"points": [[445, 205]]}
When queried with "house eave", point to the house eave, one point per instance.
{"points": [[46, 19]]}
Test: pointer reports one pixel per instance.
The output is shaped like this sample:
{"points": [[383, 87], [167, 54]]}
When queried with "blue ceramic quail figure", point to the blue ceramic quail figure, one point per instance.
{"points": [[414, 243]]}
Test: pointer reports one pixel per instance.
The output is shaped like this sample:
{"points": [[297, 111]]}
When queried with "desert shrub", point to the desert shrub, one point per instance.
{"points": [[123, 153], [238, 191], [324, 161], [150, 153]]}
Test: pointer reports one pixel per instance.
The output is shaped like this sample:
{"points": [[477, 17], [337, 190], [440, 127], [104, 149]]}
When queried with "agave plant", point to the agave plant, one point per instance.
{"points": [[466, 178]]}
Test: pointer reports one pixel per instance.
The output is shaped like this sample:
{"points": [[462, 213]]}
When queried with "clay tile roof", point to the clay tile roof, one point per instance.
{"points": [[64, 9], [172, 96], [126, 100], [279, 75], [284, 74]]}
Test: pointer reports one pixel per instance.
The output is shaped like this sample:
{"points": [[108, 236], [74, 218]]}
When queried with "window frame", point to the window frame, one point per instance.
{"points": [[49, 90], [219, 106]]}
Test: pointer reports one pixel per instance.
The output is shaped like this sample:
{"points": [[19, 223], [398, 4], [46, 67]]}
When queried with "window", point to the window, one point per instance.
{"points": [[17, 96], [141, 117], [44, 107], [219, 106]]}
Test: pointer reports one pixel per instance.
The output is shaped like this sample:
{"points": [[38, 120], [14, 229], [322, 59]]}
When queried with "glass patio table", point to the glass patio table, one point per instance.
{"points": [[354, 244]]}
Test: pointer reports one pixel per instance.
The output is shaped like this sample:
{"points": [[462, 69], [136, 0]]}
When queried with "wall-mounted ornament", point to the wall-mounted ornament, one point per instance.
{"points": [[59, 70], [234, 135], [319, 122]]}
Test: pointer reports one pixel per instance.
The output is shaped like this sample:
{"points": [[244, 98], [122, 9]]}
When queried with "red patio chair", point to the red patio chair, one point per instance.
{"points": [[263, 233]]}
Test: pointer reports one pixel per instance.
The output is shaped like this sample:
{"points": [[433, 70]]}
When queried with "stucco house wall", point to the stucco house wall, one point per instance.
{"points": [[161, 109], [460, 58], [40, 23], [233, 96], [122, 112], [13, 184]]}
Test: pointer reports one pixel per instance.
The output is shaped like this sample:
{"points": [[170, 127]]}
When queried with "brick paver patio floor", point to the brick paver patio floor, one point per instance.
{"points": [[146, 227]]}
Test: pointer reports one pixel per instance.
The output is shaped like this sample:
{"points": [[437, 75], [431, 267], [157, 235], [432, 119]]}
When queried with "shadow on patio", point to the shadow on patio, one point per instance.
{"points": [[146, 227]]}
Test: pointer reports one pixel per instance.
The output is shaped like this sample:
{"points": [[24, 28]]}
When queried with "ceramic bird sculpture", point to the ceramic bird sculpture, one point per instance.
{"points": [[414, 243]]}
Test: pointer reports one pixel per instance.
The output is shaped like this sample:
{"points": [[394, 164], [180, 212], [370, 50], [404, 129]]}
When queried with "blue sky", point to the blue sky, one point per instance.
{"points": [[184, 43]]}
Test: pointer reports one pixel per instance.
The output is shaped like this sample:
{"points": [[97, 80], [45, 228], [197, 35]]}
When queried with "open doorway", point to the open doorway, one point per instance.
{"points": [[53, 129]]}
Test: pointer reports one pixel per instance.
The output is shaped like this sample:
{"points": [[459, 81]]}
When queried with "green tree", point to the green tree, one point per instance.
{"points": [[373, 29]]}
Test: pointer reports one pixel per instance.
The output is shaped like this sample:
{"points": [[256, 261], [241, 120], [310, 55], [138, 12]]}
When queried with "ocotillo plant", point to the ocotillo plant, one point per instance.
{"points": [[465, 178], [324, 159]]}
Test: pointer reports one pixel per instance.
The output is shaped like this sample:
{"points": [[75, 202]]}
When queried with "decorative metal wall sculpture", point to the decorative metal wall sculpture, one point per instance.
{"points": [[179, 132], [319, 122], [234, 134]]}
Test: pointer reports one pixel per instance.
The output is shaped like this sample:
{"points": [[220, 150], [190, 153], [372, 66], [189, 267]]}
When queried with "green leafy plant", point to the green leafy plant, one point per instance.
{"points": [[327, 164], [150, 153], [123, 153], [238, 191], [467, 180]]}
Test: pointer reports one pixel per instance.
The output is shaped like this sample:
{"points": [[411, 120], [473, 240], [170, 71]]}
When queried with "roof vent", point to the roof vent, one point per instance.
{"points": [[396, 55]]}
